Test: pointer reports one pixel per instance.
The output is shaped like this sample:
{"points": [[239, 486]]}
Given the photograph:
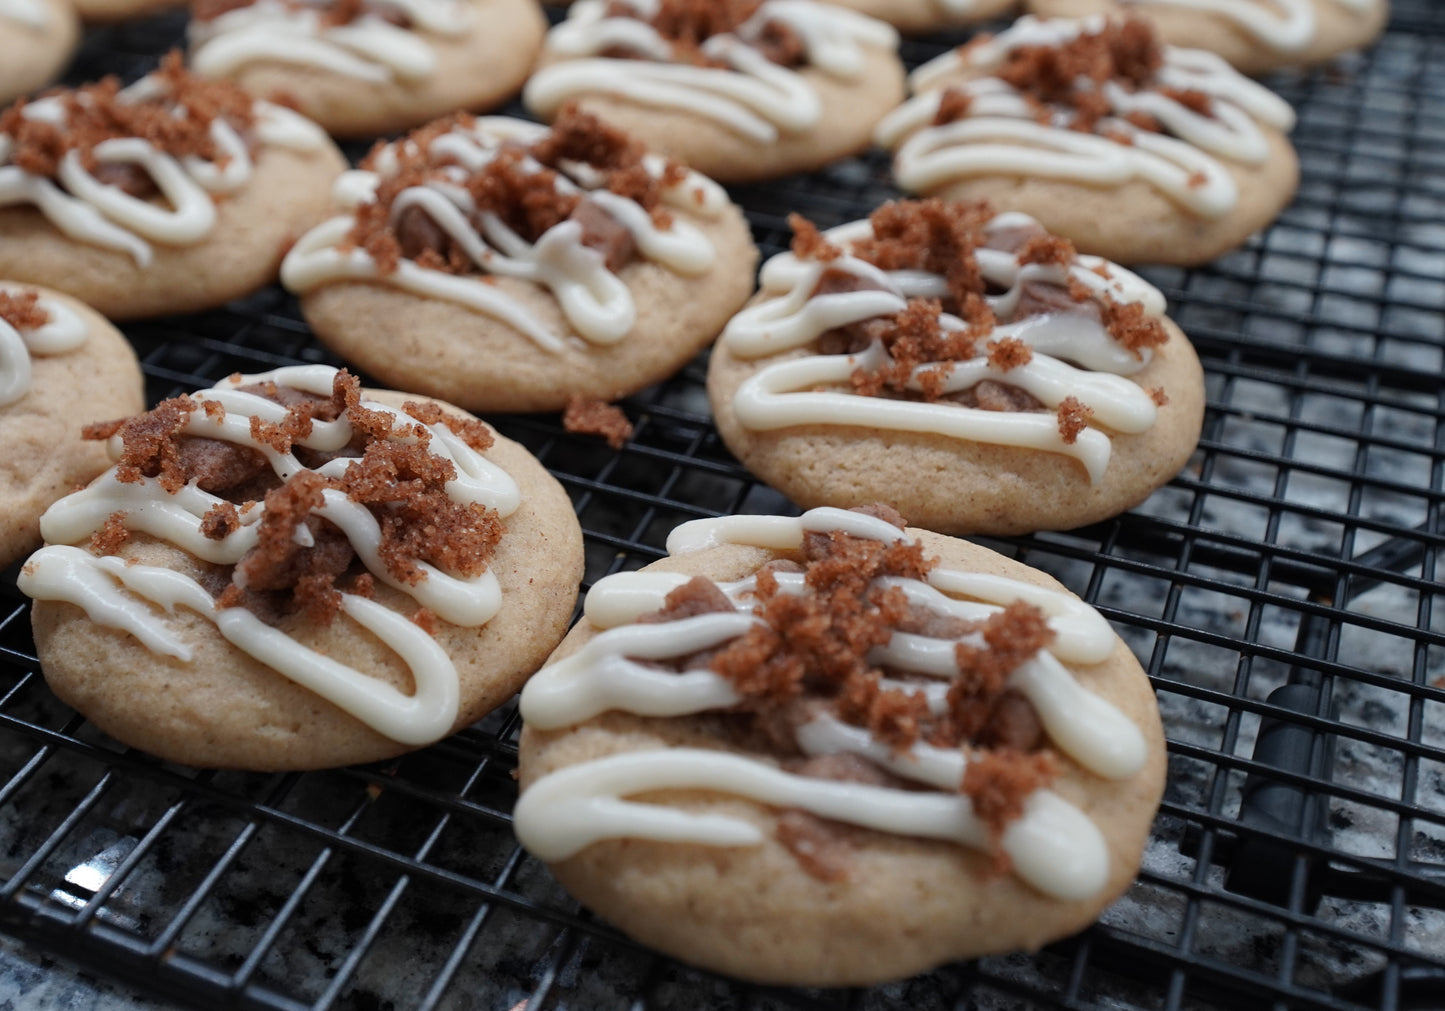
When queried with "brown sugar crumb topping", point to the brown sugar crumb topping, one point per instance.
{"points": [[108, 539], [474, 433], [1157, 394], [1074, 417], [177, 122], [808, 242], [915, 337], [999, 781], [1009, 353], [220, 521], [520, 185], [22, 310], [393, 473], [588, 416], [938, 236], [1048, 249], [810, 651], [1123, 52]]}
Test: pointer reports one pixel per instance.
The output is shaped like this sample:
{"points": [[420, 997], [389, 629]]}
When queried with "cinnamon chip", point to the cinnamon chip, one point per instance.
{"points": [[589, 416]]}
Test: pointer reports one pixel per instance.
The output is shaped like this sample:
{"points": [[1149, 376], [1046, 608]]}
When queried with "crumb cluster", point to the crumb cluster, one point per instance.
{"points": [[394, 474], [22, 310], [586, 416]]}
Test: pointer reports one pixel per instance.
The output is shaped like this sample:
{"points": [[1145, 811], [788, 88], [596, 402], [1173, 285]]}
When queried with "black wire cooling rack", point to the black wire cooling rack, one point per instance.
{"points": [[1282, 592]]}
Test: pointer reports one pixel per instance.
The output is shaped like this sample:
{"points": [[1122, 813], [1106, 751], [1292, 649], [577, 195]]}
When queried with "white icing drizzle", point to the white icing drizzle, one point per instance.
{"points": [[30, 13], [752, 96], [136, 598], [1053, 846], [92, 212], [63, 331], [1285, 25], [369, 48], [998, 134], [815, 389], [597, 304]]}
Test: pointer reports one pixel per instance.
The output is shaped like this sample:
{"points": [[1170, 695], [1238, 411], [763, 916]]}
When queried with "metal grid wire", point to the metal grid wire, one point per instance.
{"points": [[1282, 592]]}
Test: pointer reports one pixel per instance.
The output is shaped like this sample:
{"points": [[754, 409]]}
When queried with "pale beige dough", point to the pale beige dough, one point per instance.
{"points": [[224, 709], [445, 350], [476, 71], [1339, 29], [918, 16], [44, 456], [962, 487], [850, 110], [33, 57], [906, 905], [288, 193]]}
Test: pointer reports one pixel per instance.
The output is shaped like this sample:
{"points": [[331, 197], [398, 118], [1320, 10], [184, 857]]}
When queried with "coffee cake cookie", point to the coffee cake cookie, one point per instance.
{"points": [[967, 368], [61, 366], [170, 195], [741, 90], [286, 572], [1253, 35], [1137, 152], [373, 66], [828, 751], [505, 266], [36, 40]]}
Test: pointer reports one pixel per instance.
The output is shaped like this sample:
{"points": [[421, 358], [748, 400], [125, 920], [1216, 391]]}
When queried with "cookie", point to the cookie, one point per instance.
{"points": [[286, 572], [967, 368], [360, 69], [1137, 152], [1254, 35], [37, 38], [506, 267], [827, 751], [739, 91], [170, 195], [61, 366], [928, 15]]}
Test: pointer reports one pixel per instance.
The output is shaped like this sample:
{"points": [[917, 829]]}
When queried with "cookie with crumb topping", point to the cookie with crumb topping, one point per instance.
{"points": [[964, 366], [1135, 151], [37, 38], [506, 266], [169, 195], [62, 366], [740, 90], [1254, 36], [374, 66], [287, 572], [827, 751]]}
